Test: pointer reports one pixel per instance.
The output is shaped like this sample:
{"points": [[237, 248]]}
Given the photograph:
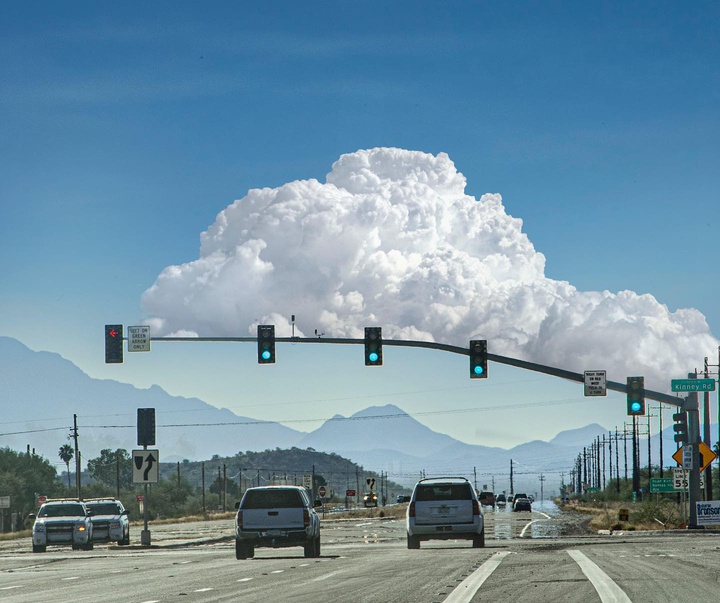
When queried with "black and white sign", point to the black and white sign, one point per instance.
{"points": [[145, 466], [138, 339], [596, 383], [370, 481], [681, 479]]}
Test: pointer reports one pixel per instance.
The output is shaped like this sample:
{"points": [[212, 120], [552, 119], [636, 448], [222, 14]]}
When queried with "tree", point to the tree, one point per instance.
{"points": [[112, 469], [66, 454]]}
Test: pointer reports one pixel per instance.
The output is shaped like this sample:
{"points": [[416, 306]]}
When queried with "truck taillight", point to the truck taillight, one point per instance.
{"points": [[411, 510], [306, 517], [239, 519], [476, 507]]}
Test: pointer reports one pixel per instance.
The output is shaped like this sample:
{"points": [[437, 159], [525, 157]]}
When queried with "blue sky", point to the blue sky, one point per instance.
{"points": [[127, 128]]}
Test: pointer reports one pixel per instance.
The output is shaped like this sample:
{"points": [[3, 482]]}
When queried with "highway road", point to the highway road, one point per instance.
{"points": [[528, 557]]}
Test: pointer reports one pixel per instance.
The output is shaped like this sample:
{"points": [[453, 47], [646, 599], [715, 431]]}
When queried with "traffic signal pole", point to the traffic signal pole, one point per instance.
{"points": [[692, 407]]}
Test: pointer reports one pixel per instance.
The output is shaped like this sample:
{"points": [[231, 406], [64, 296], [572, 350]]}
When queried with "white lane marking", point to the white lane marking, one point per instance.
{"points": [[465, 591], [277, 571], [71, 578], [11, 587], [244, 579], [545, 515], [202, 590], [607, 589], [522, 534], [326, 576]]}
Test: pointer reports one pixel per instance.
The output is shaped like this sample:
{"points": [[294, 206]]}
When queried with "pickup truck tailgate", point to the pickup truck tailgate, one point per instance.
{"points": [[272, 519]]}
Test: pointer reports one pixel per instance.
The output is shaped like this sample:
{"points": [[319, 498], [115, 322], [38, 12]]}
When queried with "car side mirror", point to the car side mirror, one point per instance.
{"points": [[317, 503], [237, 505]]}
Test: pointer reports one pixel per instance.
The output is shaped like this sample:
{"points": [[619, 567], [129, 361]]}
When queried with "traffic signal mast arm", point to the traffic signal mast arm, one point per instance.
{"points": [[432, 345]]}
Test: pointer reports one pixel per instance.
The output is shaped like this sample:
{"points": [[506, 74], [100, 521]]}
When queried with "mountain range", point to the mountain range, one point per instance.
{"points": [[41, 392]]}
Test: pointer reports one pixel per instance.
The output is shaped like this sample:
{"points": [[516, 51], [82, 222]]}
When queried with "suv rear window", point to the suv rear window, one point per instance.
{"points": [[443, 492], [272, 499]]}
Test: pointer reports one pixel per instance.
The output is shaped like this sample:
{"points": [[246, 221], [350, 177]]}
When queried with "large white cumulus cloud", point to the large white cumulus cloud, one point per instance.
{"points": [[392, 239]]}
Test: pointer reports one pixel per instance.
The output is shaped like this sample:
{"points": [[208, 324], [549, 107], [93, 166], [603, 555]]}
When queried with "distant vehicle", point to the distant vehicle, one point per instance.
{"points": [[277, 517], [500, 500], [510, 499], [517, 496], [486, 498], [403, 498], [444, 508], [522, 504], [110, 520], [370, 500], [62, 522]]}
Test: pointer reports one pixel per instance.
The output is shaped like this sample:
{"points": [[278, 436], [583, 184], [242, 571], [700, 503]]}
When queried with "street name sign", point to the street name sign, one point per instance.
{"points": [[138, 339], [692, 385], [661, 484], [596, 383]]}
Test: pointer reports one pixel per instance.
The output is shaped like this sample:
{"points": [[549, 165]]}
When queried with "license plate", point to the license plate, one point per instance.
{"points": [[275, 533], [444, 528]]}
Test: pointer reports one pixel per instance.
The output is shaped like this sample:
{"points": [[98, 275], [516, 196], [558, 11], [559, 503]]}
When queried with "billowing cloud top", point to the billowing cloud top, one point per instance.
{"points": [[391, 239]]}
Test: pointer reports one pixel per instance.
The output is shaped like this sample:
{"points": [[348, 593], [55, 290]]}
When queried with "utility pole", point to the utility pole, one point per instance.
{"points": [[512, 488], [617, 461], [636, 473], [77, 457], [542, 482]]}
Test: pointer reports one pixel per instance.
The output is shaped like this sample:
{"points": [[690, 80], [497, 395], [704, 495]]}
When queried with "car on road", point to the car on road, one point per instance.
{"points": [[486, 498], [277, 517], [370, 500], [445, 508], [522, 504], [62, 522], [517, 496], [500, 500], [402, 498], [110, 520]]}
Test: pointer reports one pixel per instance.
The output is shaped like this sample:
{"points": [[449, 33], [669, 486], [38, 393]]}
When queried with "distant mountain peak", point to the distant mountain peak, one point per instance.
{"points": [[373, 411]]}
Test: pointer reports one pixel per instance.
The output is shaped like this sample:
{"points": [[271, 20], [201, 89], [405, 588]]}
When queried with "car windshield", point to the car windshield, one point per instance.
{"points": [[443, 492], [271, 499], [104, 508], [62, 511]]}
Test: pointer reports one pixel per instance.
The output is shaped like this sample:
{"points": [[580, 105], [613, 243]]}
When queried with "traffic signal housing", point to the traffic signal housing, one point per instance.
{"points": [[113, 344], [373, 346], [681, 426], [478, 359], [146, 426], [266, 344], [635, 396]]}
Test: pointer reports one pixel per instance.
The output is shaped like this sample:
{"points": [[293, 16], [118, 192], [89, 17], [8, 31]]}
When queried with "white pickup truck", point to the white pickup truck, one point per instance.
{"points": [[276, 516]]}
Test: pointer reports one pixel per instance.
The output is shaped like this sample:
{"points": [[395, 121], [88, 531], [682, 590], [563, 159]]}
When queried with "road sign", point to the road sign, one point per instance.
{"points": [[370, 482], [307, 481], [349, 492], [661, 484], [145, 466], [687, 457], [692, 385], [595, 383], [322, 491], [707, 456], [681, 479], [4, 502], [138, 339]]}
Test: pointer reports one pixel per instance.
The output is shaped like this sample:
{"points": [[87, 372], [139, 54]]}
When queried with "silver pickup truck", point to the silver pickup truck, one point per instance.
{"points": [[276, 516]]}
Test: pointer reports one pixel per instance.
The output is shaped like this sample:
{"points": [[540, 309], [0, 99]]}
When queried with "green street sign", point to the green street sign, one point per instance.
{"points": [[692, 385], [661, 484]]}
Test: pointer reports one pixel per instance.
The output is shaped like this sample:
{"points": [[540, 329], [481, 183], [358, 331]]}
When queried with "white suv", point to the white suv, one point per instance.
{"points": [[110, 520], [445, 508], [62, 522]]}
